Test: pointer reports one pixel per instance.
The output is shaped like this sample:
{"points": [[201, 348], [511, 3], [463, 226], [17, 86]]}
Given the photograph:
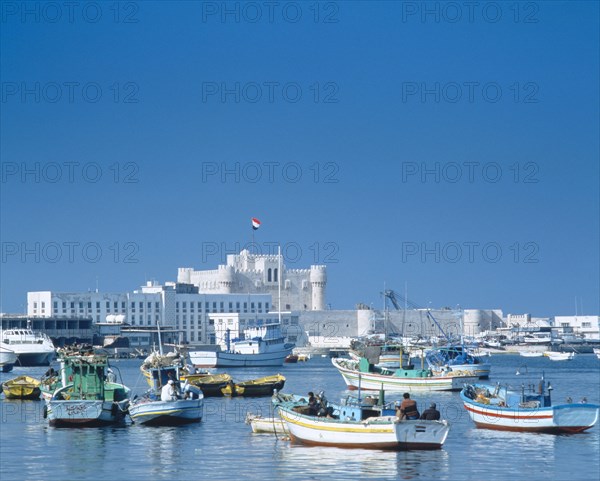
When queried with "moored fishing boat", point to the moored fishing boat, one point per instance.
{"points": [[271, 425], [457, 358], [559, 356], [260, 346], [156, 408], [263, 386], [362, 374], [210, 384], [22, 387], [496, 407], [87, 397], [352, 424]]}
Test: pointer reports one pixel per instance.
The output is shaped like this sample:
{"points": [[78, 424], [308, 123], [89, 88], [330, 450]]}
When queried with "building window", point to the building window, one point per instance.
{"points": [[149, 305], [89, 305], [116, 306], [72, 305], [107, 306], [275, 275], [586, 324], [35, 305], [141, 306], [269, 275], [123, 305], [64, 305], [133, 306], [156, 305], [55, 305]]}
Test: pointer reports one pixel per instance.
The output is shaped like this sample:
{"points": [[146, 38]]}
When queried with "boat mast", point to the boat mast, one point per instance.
{"points": [[160, 348]]}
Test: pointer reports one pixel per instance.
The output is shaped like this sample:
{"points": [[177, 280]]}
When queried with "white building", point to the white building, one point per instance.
{"points": [[586, 326], [301, 289], [176, 306]]}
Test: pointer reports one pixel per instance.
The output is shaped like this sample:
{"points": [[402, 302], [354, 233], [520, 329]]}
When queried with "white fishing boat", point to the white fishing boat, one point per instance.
{"points": [[167, 402], [32, 348], [496, 407], [352, 424], [271, 425], [362, 375], [261, 346], [559, 356], [8, 359]]}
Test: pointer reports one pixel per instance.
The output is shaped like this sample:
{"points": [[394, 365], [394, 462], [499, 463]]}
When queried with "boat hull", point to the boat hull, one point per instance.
{"points": [[267, 425], [374, 433], [7, 359], [35, 358], [167, 413], [563, 418], [373, 381], [208, 359], [84, 413]]}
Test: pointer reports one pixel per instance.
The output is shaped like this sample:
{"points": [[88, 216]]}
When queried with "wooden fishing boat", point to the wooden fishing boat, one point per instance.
{"points": [[271, 425], [363, 375], [559, 356], [263, 386], [353, 424], [496, 407], [457, 358], [211, 384], [22, 387], [152, 409], [87, 397]]}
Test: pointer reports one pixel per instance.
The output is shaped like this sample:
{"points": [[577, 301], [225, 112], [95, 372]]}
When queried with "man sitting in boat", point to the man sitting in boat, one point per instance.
{"points": [[431, 413], [169, 392], [313, 405], [408, 408]]}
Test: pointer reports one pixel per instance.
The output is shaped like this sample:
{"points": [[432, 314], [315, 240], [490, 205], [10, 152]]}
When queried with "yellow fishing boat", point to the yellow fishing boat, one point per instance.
{"points": [[263, 386], [211, 384], [22, 387]]}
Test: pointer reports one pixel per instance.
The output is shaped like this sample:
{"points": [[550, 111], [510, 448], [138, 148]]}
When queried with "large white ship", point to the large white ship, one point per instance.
{"points": [[260, 346], [7, 359], [32, 348]]}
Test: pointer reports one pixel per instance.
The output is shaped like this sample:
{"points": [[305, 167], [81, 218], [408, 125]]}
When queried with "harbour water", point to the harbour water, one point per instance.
{"points": [[222, 446]]}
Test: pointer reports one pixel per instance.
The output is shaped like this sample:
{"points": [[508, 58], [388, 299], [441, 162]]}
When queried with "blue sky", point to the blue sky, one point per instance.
{"points": [[455, 151]]}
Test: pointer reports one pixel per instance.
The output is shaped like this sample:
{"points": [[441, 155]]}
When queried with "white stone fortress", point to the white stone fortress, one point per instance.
{"points": [[301, 289]]}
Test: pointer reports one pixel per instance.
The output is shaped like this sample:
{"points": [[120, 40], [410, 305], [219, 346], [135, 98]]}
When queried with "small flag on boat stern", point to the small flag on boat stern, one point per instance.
{"points": [[255, 223]]}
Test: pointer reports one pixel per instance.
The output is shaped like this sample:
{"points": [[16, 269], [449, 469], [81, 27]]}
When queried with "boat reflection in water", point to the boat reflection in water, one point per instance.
{"points": [[335, 463]]}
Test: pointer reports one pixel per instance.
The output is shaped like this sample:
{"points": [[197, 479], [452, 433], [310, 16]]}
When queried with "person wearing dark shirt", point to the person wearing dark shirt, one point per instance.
{"points": [[408, 408], [431, 413], [313, 405]]}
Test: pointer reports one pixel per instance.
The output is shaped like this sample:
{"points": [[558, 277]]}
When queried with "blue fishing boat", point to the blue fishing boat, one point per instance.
{"points": [[497, 407], [183, 404], [167, 402]]}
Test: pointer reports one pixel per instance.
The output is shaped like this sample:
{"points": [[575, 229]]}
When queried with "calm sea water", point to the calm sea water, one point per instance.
{"points": [[223, 447]]}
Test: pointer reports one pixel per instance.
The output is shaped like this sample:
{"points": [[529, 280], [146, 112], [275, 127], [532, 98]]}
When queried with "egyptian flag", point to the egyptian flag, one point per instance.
{"points": [[255, 223]]}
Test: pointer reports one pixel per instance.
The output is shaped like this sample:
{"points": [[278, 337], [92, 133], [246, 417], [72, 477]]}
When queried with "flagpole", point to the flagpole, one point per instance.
{"points": [[279, 279]]}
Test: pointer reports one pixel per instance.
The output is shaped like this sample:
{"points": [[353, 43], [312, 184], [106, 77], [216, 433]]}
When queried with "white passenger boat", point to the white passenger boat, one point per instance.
{"points": [[8, 359], [32, 348]]}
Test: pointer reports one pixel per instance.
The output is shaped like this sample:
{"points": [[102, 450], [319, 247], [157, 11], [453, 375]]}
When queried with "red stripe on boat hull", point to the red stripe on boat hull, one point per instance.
{"points": [[547, 429]]}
